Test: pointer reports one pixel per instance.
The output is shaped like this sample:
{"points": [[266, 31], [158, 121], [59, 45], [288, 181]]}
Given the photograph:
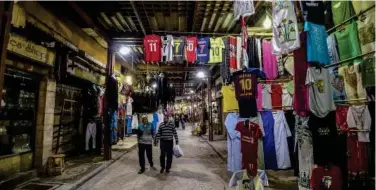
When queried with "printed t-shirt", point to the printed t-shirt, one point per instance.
{"points": [[276, 95], [332, 48], [338, 85], [320, 91], [270, 60], [250, 133], [324, 134], [229, 100], [285, 27], [313, 11], [366, 25], [203, 50], [367, 69], [152, 48], [341, 10], [233, 64], [179, 46], [348, 43], [191, 49], [168, 44], [323, 178], [216, 47], [243, 8], [353, 82], [300, 69], [317, 47]]}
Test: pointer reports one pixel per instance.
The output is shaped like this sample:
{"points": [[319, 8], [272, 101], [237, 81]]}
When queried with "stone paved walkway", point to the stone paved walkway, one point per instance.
{"points": [[199, 169]]}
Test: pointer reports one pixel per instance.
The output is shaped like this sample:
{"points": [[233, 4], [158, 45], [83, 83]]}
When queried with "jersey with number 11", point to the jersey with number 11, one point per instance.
{"points": [[152, 46]]}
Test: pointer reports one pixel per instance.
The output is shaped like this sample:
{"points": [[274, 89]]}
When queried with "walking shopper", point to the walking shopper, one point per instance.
{"points": [[182, 121], [145, 135], [166, 134], [177, 121]]}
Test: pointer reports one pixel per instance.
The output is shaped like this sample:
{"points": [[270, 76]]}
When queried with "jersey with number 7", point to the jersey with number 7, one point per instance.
{"points": [[152, 46], [245, 84]]}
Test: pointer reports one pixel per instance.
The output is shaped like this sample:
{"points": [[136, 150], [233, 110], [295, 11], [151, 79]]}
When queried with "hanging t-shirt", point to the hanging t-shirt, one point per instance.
{"points": [[270, 60], [216, 47], [324, 133], [266, 96], [326, 178], [233, 64], [259, 97], [366, 28], [239, 51], [243, 8], [229, 100], [317, 47], [348, 43], [234, 159], [313, 11], [332, 48], [152, 48], [367, 70], [285, 28], [286, 97], [253, 61], [250, 133], [191, 49], [269, 144], [129, 108], [281, 132], [276, 96], [179, 46], [167, 49], [245, 84], [320, 91], [358, 117], [338, 85], [341, 10], [353, 82], [300, 69], [203, 49]]}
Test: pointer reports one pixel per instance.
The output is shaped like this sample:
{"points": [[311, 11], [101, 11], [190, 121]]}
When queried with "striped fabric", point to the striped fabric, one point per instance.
{"points": [[166, 132]]}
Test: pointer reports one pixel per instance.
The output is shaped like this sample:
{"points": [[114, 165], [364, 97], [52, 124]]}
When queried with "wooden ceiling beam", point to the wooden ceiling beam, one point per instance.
{"points": [[88, 20], [138, 17], [191, 23], [166, 68]]}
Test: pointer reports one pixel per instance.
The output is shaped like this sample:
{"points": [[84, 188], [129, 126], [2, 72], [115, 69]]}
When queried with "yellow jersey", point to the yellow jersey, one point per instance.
{"points": [[216, 47], [230, 104]]}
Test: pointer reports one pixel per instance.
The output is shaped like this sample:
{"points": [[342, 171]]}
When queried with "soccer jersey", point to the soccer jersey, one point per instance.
{"points": [[216, 47], [152, 46], [250, 133], [233, 64], [179, 49], [245, 85], [191, 49], [203, 49], [167, 49]]}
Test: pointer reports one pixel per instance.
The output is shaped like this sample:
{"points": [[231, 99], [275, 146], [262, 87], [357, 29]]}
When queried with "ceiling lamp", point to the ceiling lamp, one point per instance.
{"points": [[200, 74], [124, 50], [267, 22]]}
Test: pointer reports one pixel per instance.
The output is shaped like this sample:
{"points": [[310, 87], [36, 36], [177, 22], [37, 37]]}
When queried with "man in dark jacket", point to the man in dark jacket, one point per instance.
{"points": [[145, 136]]}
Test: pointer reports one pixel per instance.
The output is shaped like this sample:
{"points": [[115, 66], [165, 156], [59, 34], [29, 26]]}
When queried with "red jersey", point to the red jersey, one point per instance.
{"points": [[152, 47], [329, 179], [233, 64], [191, 49], [276, 96], [250, 133]]}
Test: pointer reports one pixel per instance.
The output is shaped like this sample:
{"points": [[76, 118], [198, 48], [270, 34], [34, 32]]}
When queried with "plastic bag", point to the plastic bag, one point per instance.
{"points": [[178, 152]]}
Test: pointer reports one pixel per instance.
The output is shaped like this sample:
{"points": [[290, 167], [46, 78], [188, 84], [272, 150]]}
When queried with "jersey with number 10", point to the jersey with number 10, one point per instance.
{"points": [[216, 47], [191, 49], [152, 46], [245, 85], [203, 50]]}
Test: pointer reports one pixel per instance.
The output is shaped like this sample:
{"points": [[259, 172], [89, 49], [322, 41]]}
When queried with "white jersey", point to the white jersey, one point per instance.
{"points": [[243, 8], [167, 48], [285, 27], [239, 52]]}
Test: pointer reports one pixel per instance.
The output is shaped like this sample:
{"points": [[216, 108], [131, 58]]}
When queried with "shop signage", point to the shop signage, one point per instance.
{"points": [[21, 46]]}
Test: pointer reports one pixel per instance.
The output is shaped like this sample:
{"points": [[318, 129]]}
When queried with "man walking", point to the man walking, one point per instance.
{"points": [[145, 135], [166, 133]]}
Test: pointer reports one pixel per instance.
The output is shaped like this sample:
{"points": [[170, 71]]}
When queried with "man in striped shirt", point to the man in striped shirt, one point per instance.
{"points": [[166, 133]]}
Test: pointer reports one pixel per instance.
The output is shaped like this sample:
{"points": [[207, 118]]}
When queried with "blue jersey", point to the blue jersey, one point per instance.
{"points": [[203, 49]]}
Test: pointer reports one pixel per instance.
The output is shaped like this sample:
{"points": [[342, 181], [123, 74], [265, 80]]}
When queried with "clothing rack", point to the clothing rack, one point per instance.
{"points": [[355, 16], [349, 59], [210, 33], [277, 80]]}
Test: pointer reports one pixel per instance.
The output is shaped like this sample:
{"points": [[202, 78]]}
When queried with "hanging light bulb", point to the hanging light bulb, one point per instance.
{"points": [[267, 22]]}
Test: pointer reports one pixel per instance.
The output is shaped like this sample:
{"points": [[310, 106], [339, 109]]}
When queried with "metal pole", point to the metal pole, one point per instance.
{"points": [[106, 116], [210, 108]]}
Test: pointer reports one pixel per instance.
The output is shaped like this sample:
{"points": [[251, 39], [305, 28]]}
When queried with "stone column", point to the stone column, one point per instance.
{"points": [[45, 122]]}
